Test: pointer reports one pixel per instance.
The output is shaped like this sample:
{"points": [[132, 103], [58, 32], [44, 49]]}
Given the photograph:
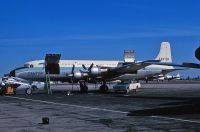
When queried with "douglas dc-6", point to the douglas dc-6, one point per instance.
{"points": [[93, 71]]}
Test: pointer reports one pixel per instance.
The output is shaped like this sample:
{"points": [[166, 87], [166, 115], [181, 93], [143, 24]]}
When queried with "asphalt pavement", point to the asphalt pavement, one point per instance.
{"points": [[155, 107]]}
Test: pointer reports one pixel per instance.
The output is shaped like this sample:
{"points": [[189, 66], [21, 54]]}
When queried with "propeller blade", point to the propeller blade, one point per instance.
{"points": [[84, 67], [89, 69], [83, 71], [73, 69]]}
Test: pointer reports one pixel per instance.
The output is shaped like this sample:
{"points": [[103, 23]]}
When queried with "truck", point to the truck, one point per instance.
{"points": [[126, 87]]}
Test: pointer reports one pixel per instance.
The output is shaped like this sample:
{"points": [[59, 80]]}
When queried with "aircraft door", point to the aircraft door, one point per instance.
{"points": [[52, 63]]}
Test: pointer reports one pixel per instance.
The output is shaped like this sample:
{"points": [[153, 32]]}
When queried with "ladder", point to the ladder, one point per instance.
{"points": [[48, 87]]}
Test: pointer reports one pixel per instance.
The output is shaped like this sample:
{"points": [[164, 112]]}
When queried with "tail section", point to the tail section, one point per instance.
{"points": [[178, 75], [165, 53]]}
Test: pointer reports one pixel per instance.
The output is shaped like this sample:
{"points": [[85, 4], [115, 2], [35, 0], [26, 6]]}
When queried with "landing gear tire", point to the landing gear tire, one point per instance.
{"points": [[34, 87], [103, 89], [28, 91], [83, 88]]}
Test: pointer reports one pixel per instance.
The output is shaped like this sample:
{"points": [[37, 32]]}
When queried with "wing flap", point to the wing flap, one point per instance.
{"points": [[130, 68]]}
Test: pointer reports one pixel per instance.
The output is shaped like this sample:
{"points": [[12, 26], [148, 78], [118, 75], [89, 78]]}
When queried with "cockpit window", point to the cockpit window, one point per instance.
{"points": [[26, 65], [29, 65]]}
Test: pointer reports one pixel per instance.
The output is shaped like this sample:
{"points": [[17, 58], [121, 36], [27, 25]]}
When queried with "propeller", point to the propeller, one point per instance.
{"points": [[75, 74], [91, 66], [72, 76], [91, 71], [87, 70], [72, 72]]}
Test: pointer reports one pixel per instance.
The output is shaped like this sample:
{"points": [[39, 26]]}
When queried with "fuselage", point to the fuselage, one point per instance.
{"points": [[36, 72], [37, 67]]}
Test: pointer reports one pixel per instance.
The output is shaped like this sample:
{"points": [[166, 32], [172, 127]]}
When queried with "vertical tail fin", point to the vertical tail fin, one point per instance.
{"points": [[178, 75], [165, 53]]}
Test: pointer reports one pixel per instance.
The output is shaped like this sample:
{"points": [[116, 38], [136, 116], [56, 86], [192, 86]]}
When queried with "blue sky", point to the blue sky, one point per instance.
{"points": [[97, 29]]}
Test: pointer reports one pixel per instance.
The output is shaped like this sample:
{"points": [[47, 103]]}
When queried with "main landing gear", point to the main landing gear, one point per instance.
{"points": [[83, 87], [103, 88]]}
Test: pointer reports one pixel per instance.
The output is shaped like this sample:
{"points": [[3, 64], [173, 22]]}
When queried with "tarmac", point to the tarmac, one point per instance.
{"points": [[173, 107]]}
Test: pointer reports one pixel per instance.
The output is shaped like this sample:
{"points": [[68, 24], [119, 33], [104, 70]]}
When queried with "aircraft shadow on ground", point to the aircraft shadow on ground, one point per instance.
{"points": [[190, 106]]}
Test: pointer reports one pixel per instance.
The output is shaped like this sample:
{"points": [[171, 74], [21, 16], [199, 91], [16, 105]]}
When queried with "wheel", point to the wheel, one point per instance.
{"points": [[83, 89], [127, 91], [34, 87], [103, 89], [28, 91]]}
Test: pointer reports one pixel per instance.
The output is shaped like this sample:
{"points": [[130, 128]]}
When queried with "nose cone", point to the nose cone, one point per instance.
{"points": [[197, 53]]}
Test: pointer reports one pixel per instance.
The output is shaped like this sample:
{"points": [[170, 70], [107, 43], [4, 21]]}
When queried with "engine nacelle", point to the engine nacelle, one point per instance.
{"points": [[95, 71], [78, 75], [197, 53]]}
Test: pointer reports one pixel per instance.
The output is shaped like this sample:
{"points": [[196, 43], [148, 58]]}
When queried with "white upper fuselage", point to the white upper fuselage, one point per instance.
{"points": [[99, 69], [87, 63], [66, 66], [77, 63]]}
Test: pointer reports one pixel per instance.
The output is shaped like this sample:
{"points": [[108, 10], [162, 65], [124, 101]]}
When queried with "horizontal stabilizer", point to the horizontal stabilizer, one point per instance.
{"points": [[191, 65]]}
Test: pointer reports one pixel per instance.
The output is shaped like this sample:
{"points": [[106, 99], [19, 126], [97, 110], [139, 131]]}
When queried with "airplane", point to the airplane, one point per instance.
{"points": [[170, 77], [162, 77], [83, 71], [197, 53]]}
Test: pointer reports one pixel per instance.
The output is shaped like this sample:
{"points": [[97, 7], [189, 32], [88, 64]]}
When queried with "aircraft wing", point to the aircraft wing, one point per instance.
{"points": [[132, 67], [190, 65], [184, 64], [170, 70], [126, 68]]}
